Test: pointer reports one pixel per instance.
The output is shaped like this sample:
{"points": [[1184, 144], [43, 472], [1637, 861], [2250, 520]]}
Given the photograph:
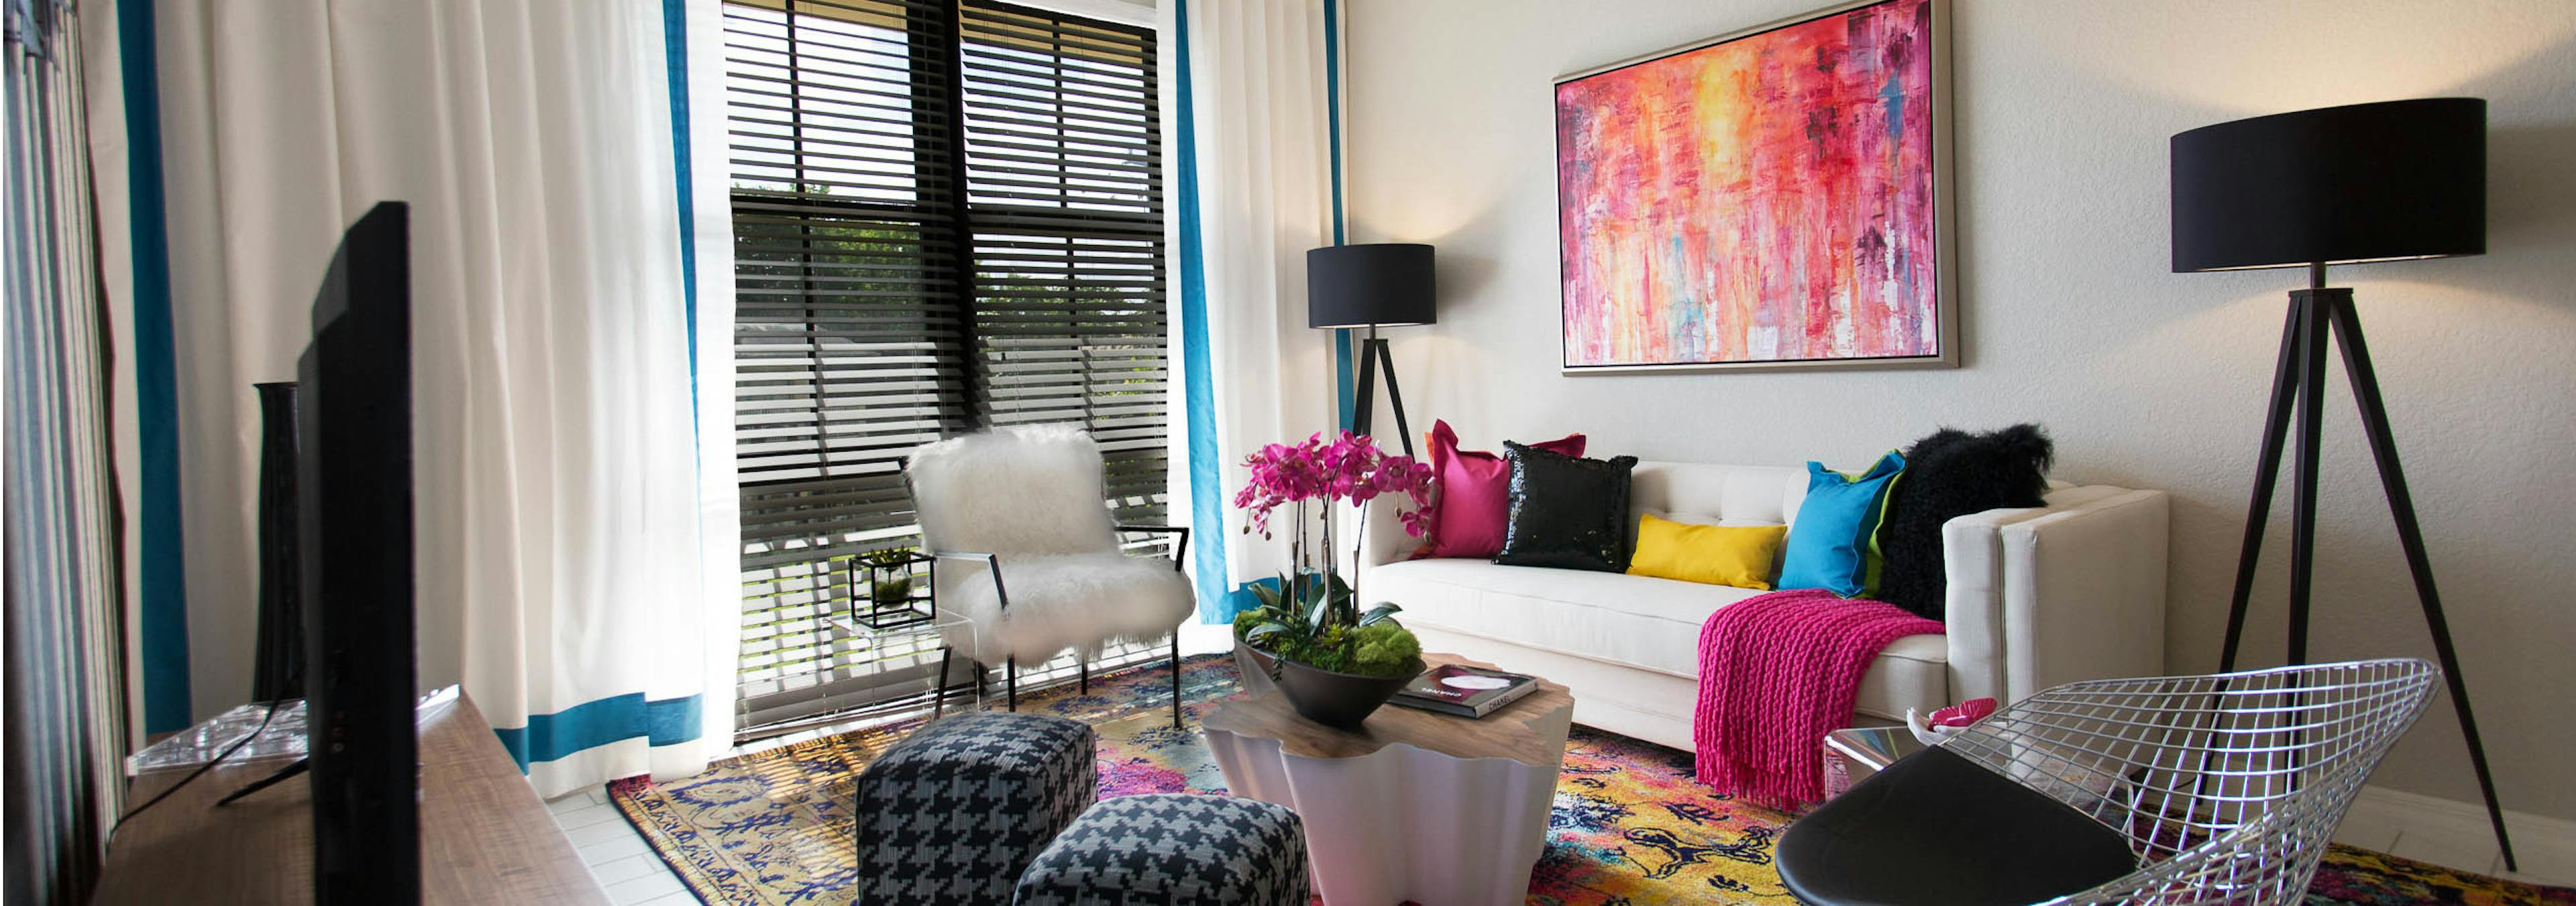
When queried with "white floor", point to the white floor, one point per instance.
{"points": [[615, 853]]}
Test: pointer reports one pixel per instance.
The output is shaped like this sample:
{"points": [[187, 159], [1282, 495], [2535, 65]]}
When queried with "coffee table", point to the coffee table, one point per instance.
{"points": [[1418, 806]]}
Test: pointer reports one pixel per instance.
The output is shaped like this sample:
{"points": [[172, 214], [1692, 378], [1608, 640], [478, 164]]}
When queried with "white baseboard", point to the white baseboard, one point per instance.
{"points": [[2456, 834]]}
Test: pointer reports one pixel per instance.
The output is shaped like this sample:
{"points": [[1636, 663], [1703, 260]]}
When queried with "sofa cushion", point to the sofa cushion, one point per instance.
{"points": [[1833, 545], [1948, 474], [1737, 555], [1633, 621], [1474, 501], [1566, 511]]}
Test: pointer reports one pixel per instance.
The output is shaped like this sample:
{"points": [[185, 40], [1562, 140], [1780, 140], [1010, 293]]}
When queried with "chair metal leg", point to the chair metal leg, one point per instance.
{"points": [[1176, 679], [939, 684], [1011, 682], [1086, 676]]}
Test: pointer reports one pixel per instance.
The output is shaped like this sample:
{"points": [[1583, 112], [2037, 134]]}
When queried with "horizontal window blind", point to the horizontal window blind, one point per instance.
{"points": [[944, 218], [1065, 183]]}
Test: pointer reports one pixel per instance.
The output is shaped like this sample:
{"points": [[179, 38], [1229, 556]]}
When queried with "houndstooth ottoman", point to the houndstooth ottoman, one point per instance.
{"points": [[953, 812], [1173, 849]]}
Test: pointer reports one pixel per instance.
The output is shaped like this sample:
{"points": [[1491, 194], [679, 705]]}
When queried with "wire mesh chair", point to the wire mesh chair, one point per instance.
{"points": [[2224, 788]]}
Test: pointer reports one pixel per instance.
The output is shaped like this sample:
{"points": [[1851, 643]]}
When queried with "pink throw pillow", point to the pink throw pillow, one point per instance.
{"points": [[1467, 519]]}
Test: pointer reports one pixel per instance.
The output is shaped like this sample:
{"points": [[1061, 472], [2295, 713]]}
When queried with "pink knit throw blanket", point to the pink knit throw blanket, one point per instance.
{"points": [[1776, 673]]}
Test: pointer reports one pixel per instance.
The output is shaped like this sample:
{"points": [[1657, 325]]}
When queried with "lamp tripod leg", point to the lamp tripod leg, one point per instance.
{"points": [[1394, 396], [1364, 397], [2266, 476], [2410, 535], [2304, 463]]}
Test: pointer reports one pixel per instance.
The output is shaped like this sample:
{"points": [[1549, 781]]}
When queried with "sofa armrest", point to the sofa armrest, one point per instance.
{"points": [[2048, 595]]}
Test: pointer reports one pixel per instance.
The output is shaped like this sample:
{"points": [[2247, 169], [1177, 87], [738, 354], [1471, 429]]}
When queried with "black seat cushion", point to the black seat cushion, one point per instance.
{"points": [[1934, 828]]}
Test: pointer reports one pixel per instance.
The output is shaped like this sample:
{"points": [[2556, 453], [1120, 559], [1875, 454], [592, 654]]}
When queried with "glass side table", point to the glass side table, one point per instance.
{"points": [[916, 639], [1852, 755]]}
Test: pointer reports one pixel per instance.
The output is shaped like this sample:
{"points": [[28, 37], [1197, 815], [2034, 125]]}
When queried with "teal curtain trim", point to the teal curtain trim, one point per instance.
{"points": [[164, 608], [591, 724], [675, 48], [1198, 386], [1333, 104], [1242, 598], [1345, 378]]}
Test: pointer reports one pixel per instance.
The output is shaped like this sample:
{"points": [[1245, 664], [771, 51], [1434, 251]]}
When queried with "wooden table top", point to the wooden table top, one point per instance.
{"points": [[485, 836], [1512, 731]]}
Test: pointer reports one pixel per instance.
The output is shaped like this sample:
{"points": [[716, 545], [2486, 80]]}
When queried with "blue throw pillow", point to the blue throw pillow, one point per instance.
{"points": [[1833, 544]]}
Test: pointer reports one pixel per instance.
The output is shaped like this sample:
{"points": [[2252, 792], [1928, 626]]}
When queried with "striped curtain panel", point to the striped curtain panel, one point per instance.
{"points": [[570, 243], [65, 727], [1254, 140]]}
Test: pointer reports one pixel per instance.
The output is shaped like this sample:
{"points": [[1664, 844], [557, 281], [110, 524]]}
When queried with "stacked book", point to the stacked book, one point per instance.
{"points": [[1465, 691]]}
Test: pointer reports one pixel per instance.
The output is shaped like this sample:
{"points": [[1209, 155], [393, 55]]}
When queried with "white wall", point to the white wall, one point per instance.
{"points": [[2071, 316]]}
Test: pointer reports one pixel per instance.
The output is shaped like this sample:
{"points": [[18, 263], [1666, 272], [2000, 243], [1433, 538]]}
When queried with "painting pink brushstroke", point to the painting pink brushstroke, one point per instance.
{"points": [[1767, 199]]}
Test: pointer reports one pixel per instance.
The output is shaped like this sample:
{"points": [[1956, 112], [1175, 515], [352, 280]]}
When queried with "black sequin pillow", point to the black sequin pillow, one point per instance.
{"points": [[1566, 512]]}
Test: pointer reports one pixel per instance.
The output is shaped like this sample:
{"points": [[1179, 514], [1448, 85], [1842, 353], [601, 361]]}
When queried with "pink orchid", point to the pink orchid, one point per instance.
{"points": [[1348, 468]]}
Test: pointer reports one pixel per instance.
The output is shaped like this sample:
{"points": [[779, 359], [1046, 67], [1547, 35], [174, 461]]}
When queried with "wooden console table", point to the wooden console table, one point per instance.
{"points": [[485, 836], [1420, 806]]}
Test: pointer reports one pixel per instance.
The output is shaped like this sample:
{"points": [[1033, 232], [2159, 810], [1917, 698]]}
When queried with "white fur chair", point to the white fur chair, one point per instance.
{"points": [[1026, 552]]}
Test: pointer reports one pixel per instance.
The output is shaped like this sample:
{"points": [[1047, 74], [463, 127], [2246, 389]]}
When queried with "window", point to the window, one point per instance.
{"points": [[945, 216]]}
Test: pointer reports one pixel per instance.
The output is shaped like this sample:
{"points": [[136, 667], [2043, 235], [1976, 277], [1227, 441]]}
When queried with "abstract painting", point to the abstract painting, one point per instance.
{"points": [[1769, 198]]}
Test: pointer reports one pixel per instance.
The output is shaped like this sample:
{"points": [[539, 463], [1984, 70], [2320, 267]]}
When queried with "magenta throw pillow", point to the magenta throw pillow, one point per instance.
{"points": [[1473, 503]]}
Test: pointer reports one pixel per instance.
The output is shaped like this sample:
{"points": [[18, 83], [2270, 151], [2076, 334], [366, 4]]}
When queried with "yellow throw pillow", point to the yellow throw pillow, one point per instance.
{"points": [[1740, 556]]}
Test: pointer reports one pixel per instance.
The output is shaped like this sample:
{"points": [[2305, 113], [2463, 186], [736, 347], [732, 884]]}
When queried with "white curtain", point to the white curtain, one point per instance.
{"points": [[1260, 120], [573, 477]]}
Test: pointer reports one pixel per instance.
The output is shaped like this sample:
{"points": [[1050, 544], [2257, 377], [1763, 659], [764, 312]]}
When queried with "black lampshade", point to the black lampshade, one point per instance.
{"points": [[2335, 185], [1382, 284]]}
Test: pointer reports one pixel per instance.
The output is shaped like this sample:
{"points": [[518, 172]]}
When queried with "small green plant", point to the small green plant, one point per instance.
{"points": [[1316, 622], [888, 558], [889, 575]]}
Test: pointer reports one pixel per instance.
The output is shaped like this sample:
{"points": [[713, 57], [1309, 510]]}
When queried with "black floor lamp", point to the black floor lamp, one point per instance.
{"points": [[1377, 285], [2340, 185]]}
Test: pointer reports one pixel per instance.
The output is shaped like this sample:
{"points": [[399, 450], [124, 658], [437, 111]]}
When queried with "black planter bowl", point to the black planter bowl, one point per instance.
{"points": [[1338, 700], [1256, 667]]}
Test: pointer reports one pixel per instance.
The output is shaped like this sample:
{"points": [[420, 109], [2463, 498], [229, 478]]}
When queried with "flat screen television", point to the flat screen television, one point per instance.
{"points": [[354, 522]]}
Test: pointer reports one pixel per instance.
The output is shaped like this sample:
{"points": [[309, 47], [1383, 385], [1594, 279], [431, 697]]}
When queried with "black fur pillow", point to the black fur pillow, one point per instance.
{"points": [[1949, 474]]}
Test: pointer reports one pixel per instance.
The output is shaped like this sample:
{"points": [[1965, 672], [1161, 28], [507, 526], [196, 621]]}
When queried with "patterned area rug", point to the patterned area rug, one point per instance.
{"points": [[1630, 827]]}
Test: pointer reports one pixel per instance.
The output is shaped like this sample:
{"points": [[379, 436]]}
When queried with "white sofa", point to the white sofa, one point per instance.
{"points": [[2037, 597]]}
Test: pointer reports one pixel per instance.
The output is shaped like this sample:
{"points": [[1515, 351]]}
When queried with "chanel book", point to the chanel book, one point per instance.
{"points": [[1464, 691]]}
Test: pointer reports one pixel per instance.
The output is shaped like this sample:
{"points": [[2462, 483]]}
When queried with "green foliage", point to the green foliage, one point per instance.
{"points": [[887, 559], [1384, 649], [1243, 622], [1314, 620]]}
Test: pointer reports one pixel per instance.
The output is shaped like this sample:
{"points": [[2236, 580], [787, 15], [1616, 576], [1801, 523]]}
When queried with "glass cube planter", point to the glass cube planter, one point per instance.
{"points": [[893, 595]]}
